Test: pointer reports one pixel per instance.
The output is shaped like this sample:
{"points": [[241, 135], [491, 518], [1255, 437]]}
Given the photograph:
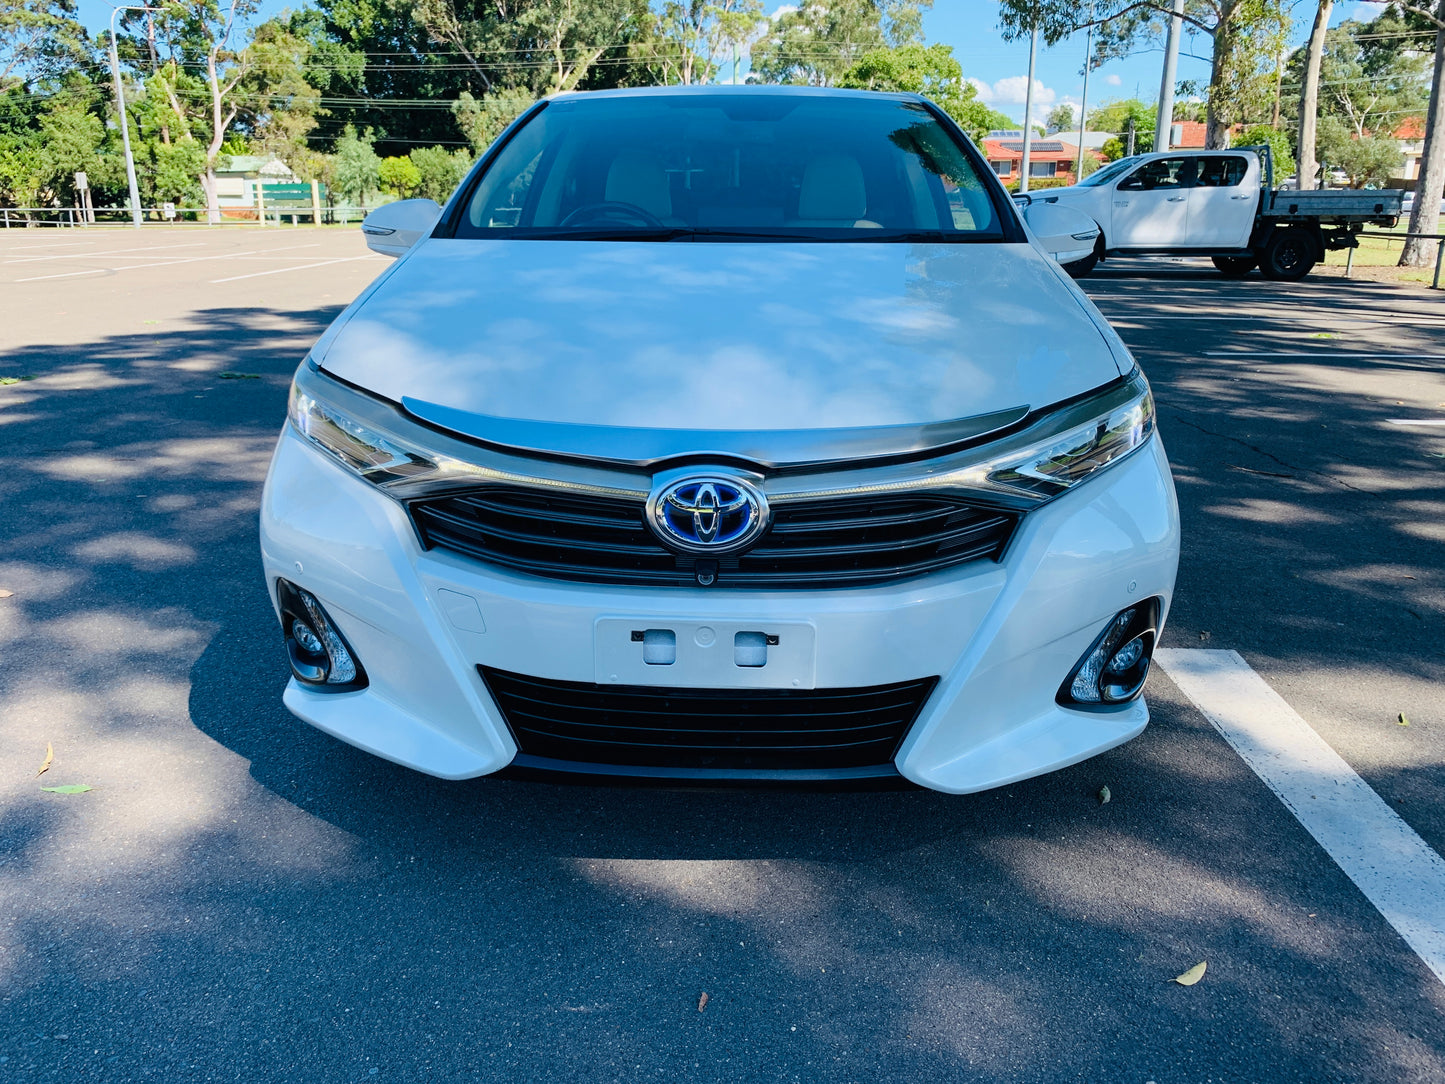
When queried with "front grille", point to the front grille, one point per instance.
{"points": [[775, 730], [850, 541]]}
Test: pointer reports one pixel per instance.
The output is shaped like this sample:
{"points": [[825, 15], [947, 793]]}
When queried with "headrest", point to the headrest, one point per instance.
{"points": [[638, 178], [833, 189]]}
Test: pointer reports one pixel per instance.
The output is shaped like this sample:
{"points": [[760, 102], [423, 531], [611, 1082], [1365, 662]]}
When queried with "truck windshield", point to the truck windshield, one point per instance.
{"points": [[729, 165], [1109, 172]]}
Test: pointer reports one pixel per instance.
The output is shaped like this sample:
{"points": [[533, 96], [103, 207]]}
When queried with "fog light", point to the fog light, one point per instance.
{"points": [[1113, 670], [306, 638], [319, 654]]}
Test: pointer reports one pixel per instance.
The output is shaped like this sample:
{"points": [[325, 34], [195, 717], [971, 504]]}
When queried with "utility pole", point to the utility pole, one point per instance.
{"points": [[1029, 107], [1166, 83], [1130, 152], [120, 108], [1084, 97]]}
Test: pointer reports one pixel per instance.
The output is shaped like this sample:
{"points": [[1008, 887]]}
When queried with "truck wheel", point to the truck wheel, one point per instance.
{"points": [[1079, 268], [1235, 267], [1289, 255]]}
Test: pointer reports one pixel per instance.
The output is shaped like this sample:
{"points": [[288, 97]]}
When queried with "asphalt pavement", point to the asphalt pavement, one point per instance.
{"points": [[241, 897]]}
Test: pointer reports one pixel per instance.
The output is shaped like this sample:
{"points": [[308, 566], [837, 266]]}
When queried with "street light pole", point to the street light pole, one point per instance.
{"points": [[1029, 108], [120, 107], [1165, 120], [1084, 97]]}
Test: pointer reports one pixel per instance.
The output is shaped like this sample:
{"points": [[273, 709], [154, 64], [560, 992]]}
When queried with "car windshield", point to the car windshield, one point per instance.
{"points": [[1109, 172], [751, 164]]}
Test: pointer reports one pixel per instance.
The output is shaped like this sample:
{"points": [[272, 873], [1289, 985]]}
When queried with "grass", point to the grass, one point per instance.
{"points": [[1376, 259]]}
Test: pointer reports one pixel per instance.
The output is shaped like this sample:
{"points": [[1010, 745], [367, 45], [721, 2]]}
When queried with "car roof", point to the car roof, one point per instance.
{"points": [[709, 89]]}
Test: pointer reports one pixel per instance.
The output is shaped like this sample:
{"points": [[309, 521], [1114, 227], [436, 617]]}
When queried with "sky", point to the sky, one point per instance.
{"points": [[999, 69]]}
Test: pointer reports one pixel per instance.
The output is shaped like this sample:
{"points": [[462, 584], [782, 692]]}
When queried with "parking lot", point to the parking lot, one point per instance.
{"points": [[241, 897]]}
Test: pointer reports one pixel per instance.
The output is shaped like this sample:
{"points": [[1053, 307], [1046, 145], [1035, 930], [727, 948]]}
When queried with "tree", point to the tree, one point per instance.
{"points": [[357, 170], [817, 42], [205, 80], [399, 176], [696, 36], [39, 38], [930, 71], [1115, 116], [440, 170], [482, 121], [1061, 118], [1368, 159], [1279, 148], [1310, 94]]}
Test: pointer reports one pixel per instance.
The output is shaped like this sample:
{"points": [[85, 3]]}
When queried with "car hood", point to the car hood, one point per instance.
{"points": [[778, 352]]}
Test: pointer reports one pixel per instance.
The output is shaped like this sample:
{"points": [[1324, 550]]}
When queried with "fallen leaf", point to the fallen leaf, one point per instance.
{"points": [[1104, 795], [1204, 635], [8, 380], [68, 788], [702, 1002], [1324, 335], [1402, 720], [49, 756], [1193, 975], [239, 376], [6, 594]]}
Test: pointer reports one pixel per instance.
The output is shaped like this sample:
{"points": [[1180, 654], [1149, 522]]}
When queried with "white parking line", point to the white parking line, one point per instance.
{"points": [[1315, 354], [66, 275], [112, 252], [303, 267], [1395, 869]]}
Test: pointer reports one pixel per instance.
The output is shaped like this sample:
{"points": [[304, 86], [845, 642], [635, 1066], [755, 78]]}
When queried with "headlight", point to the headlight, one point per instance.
{"points": [[1053, 466], [377, 458]]}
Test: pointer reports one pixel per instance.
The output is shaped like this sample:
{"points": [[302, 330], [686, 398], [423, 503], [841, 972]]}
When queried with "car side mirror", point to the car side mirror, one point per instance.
{"points": [[393, 228], [1063, 232]]}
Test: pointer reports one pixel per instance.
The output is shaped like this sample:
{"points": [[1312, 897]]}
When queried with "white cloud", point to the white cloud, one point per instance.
{"points": [[1112, 80], [1011, 92]]}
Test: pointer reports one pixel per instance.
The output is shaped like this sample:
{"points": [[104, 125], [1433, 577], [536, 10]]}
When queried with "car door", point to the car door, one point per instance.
{"points": [[1151, 205], [1223, 201]]}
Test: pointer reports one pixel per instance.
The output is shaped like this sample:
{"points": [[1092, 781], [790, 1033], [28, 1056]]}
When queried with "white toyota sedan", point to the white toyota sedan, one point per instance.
{"points": [[724, 435]]}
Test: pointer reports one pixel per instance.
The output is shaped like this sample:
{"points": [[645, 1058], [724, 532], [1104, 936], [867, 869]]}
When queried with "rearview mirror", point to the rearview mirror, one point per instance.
{"points": [[1065, 234], [394, 227]]}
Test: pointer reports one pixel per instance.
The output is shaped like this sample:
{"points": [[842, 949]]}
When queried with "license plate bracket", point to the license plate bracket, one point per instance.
{"points": [[705, 653]]}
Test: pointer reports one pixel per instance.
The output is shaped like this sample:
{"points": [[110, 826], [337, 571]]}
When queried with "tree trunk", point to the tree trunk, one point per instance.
{"points": [[1216, 127], [213, 205], [1425, 217], [1309, 99]]}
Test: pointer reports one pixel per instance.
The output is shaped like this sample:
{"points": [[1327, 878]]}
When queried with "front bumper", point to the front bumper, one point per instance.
{"points": [[1000, 637]]}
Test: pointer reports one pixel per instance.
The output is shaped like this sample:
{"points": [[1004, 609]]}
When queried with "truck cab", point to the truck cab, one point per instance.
{"points": [[1204, 200], [1219, 204]]}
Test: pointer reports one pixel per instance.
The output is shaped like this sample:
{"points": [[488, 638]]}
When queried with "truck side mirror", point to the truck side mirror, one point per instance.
{"points": [[393, 228]]}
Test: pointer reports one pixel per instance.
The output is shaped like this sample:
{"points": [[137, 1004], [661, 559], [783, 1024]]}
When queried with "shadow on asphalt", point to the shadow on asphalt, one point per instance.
{"points": [[354, 920]]}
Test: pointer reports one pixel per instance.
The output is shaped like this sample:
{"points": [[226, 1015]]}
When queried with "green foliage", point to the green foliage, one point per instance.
{"points": [[1367, 160], [440, 171], [1037, 183], [399, 176], [356, 173], [39, 39], [174, 172], [1279, 145], [1114, 116], [928, 70], [482, 121], [697, 36], [22, 168], [819, 41], [1061, 118]]}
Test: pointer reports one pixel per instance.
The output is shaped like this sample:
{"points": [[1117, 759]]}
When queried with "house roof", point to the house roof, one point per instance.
{"points": [[267, 165], [1411, 129], [1040, 150]]}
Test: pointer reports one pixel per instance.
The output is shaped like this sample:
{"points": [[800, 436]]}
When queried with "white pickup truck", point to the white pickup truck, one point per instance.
{"points": [[1220, 204]]}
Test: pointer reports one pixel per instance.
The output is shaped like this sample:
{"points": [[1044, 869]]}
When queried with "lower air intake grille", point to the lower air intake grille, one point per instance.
{"points": [[838, 542], [738, 729]]}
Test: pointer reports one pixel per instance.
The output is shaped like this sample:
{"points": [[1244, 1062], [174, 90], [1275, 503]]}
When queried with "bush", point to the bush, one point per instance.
{"points": [[399, 176], [1038, 183], [1279, 147], [440, 170]]}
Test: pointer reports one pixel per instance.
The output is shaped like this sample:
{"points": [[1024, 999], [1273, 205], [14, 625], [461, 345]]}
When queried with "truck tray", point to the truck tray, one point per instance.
{"points": [[1339, 203]]}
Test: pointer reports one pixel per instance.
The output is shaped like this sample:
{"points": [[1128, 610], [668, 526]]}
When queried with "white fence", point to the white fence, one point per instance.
{"points": [[152, 217]]}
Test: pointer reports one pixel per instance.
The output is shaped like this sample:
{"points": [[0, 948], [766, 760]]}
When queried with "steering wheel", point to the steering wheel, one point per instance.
{"points": [[612, 211]]}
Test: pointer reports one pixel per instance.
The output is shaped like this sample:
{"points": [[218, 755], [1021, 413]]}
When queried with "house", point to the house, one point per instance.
{"points": [[236, 184], [1048, 158], [1411, 134], [1187, 135]]}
